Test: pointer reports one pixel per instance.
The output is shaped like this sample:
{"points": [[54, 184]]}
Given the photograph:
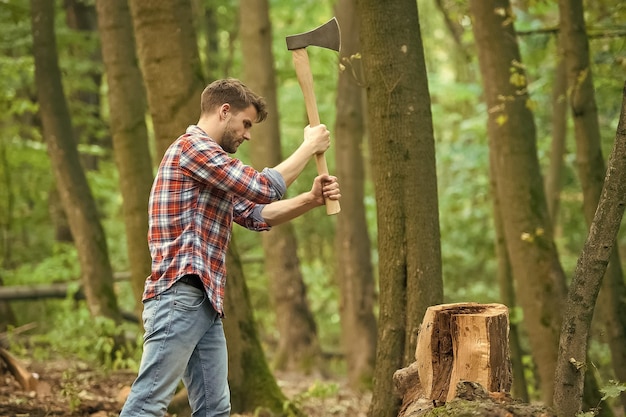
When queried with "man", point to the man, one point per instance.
{"points": [[199, 190]]}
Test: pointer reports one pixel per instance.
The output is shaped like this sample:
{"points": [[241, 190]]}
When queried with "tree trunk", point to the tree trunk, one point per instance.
{"points": [[355, 273], [507, 293], [169, 62], [252, 384], [207, 29], [298, 347], [536, 269], [405, 181], [127, 108], [559, 135], [591, 171], [74, 190], [587, 281], [7, 209], [85, 104]]}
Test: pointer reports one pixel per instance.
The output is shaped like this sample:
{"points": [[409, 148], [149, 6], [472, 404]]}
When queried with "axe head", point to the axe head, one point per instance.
{"points": [[326, 36]]}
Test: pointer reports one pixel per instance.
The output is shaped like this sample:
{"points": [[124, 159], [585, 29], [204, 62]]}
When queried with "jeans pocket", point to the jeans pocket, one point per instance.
{"points": [[188, 298]]}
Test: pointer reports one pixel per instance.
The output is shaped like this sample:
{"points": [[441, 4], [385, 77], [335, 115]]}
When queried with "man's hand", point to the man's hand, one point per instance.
{"points": [[325, 186], [317, 137], [316, 140], [282, 211]]}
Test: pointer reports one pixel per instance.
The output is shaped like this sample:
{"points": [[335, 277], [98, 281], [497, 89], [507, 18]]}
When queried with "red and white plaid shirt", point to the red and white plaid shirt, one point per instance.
{"points": [[199, 190]]}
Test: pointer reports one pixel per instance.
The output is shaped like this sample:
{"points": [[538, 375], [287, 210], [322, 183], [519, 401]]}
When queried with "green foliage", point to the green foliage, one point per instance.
{"points": [[98, 341], [317, 390], [612, 390], [70, 390], [30, 255]]}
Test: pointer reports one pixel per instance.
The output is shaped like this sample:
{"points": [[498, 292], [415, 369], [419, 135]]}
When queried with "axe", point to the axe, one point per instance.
{"points": [[326, 36]]}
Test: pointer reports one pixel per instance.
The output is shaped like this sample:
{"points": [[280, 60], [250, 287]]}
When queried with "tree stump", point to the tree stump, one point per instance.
{"points": [[456, 343]]}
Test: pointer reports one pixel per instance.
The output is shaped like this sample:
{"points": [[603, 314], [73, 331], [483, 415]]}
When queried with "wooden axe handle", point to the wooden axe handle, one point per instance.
{"points": [[305, 78]]}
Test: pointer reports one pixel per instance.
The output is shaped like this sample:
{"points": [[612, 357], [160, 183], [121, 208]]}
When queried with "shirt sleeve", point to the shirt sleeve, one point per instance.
{"points": [[248, 215], [205, 161]]}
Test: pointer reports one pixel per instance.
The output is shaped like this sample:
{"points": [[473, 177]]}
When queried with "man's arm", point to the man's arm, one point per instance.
{"points": [[284, 210], [316, 140]]}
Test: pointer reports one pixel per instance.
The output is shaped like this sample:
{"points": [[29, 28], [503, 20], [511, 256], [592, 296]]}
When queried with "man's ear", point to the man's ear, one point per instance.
{"points": [[224, 111]]}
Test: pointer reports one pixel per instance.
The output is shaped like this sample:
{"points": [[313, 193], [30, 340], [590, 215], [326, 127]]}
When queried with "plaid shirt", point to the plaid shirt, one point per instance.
{"points": [[198, 192]]}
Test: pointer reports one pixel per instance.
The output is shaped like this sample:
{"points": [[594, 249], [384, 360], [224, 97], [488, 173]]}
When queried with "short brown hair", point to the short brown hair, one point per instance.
{"points": [[235, 93]]}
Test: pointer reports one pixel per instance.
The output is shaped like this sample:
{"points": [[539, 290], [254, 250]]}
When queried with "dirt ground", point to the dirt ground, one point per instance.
{"points": [[67, 388]]}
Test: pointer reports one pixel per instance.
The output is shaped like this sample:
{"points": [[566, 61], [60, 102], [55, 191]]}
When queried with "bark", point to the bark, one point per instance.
{"points": [[81, 17], [253, 387], [405, 181], [127, 108], [355, 273], [587, 280], [591, 171], [298, 346], [507, 294], [207, 30], [539, 277], [553, 182], [62, 232], [74, 191], [170, 65], [7, 210]]}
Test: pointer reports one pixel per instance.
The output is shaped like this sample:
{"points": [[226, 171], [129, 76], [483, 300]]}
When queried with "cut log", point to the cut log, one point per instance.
{"points": [[460, 342], [27, 380]]}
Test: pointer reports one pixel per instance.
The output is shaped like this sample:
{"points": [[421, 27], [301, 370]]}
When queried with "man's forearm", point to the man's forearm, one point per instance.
{"points": [[291, 167], [282, 211]]}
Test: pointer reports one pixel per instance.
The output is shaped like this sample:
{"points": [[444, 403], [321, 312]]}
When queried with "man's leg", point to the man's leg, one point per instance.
{"points": [[206, 376], [174, 322]]}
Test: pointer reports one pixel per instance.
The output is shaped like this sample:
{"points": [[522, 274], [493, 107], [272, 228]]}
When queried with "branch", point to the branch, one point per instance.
{"points": [[590, 269]]}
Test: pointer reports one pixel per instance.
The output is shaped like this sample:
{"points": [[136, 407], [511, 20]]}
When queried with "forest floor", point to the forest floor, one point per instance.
{"points": [[71, 388]]}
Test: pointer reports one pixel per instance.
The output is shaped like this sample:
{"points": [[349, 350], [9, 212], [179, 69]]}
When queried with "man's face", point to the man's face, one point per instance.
{"points": [[238, 129]]}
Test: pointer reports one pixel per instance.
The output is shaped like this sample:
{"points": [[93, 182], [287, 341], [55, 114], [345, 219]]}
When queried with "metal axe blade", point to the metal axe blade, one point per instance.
{"points": [[325, 36]]}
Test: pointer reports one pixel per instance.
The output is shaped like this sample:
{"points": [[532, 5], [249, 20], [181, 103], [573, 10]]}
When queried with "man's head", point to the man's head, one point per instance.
{"points": [[233, 92]]}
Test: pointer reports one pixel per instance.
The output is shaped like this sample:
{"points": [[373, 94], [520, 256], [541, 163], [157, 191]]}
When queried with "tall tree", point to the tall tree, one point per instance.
{"points": [[539, 277], [253, 387], [405, 180], [591, 170], [168, 57], [355, 273], [591, 267], [507, 293], [76, 197], [207, 28], [170, 65], [85, 103], [553, 181], [298, 346], [127, 109]]}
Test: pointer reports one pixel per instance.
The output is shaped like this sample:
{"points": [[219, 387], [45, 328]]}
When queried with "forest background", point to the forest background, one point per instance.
{"points": [[37, 247]]}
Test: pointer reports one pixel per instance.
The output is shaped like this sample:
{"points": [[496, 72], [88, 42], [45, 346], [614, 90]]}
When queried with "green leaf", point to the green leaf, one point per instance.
{"points": [[613, 390]]}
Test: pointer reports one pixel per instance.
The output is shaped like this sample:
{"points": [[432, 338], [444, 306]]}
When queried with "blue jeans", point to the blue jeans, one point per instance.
{"points": [[184, 339]]}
